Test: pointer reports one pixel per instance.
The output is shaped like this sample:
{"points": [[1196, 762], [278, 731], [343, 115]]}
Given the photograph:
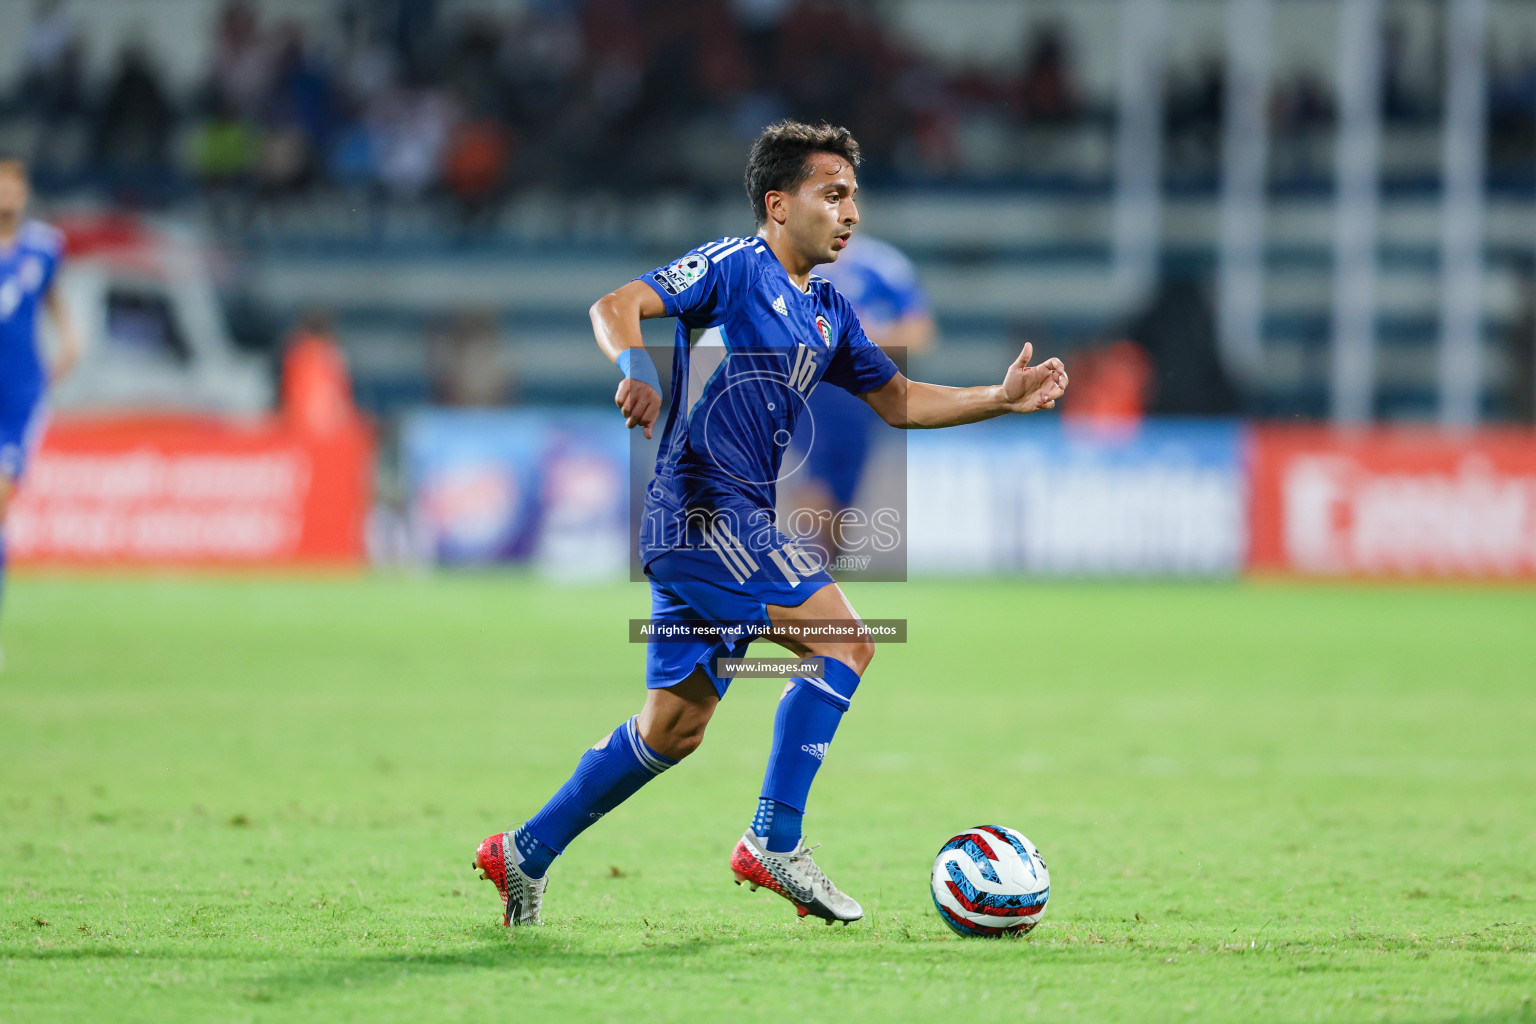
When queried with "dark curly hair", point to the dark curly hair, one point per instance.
{"points": [[780, 159]]}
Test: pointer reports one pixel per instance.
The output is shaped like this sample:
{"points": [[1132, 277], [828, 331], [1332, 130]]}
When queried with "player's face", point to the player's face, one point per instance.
{"points": [[822, 212]]}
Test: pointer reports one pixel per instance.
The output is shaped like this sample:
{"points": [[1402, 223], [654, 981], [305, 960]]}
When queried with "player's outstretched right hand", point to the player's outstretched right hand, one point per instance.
{"points": [[639, 403], [1032, 388]]}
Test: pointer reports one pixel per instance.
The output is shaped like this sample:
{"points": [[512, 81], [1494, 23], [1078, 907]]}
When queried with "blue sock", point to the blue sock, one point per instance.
{"points": [[777, 823], [802, 731], [607, 775]]}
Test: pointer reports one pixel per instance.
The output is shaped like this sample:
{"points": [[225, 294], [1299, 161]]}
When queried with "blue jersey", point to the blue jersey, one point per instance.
{"points": [[750, 348], [27, 268]]}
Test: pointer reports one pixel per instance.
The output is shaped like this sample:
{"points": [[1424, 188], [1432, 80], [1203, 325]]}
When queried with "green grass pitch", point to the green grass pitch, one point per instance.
{"points": [[258, 799]]}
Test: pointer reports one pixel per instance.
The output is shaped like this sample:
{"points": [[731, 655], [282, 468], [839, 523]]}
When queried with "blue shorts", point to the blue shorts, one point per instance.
{"points": [[21, 428], [729, 589], [834, 439]]}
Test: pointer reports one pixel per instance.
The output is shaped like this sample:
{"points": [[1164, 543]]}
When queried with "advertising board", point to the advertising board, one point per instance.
{"points": [[192, 491], [1401, 502], [1158, 497], [507, 486]]}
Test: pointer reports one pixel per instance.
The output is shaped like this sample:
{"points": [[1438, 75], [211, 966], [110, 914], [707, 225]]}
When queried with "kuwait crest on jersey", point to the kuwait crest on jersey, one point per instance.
{"points": [[825, 329]]}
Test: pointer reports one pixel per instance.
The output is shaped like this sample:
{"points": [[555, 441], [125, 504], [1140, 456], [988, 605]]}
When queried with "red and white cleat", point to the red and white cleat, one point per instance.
{"points": [[521, 896], [795, 876]]}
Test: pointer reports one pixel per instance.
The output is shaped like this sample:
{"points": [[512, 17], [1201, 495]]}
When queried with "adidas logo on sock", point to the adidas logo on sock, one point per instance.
{"points": [[816, 750]]}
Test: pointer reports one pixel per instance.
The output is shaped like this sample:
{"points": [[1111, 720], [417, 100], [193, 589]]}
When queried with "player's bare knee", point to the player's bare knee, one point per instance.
{"points": [[863, 654], [686, 744], [856, 654], [682, 739]]}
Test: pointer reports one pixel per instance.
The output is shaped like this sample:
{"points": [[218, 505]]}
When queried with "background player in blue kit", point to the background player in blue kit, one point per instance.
{"points": [[30, 254], [757, 331], [836, 438]]}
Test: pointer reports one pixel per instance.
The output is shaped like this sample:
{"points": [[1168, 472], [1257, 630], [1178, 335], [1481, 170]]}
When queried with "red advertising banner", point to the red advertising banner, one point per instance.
{"points": [[1397, 503], [169, 491]]}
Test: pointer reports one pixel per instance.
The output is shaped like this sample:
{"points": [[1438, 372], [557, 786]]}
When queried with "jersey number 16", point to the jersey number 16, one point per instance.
{"points": [[804, 370]]}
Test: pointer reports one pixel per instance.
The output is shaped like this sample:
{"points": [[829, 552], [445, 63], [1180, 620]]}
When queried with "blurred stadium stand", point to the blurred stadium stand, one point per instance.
{"points": [[401, 161]]}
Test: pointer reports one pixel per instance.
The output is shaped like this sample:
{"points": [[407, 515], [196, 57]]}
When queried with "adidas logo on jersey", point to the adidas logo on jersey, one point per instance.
{"points": [[816, 750], [780, 306]]}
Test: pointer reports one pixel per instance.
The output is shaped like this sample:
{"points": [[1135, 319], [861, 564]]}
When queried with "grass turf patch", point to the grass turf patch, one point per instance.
{"points": [[258, 800]]}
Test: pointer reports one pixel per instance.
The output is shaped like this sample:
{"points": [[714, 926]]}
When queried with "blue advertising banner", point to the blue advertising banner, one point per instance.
{"points": [[1045, 495], [539, 486]]}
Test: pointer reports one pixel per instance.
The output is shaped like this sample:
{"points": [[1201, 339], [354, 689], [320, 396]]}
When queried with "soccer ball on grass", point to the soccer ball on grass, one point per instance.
{"points": [[991, 881]]}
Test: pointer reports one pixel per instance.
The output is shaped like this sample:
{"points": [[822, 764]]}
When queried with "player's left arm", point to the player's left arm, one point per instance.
{"points": [[914, 404], [69, 339]]}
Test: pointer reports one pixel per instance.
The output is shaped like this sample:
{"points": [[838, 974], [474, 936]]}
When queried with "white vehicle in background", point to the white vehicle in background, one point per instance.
{"points": [[154, 334]]}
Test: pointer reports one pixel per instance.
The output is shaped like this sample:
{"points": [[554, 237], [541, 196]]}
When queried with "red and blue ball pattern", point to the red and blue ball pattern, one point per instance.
{"points": [[990, 881]]}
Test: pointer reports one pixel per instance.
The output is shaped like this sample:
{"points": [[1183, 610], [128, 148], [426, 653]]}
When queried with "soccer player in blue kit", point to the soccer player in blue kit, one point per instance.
{"points": [[756, 332], [30, 253]]}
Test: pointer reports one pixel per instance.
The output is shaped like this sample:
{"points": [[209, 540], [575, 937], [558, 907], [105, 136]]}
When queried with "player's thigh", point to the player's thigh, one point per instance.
{"points": [[828, 603]]}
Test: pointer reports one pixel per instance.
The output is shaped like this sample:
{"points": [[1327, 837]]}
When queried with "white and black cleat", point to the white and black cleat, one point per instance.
{"points": [[795, 876], [522, 897]]}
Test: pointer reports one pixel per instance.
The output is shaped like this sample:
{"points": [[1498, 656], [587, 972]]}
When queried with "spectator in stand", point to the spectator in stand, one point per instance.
{"points": [[1193, 117], [301, 91], [365, 77], [299, 115], [52, 88], [1512, 114], [1303, 104], [134, 125], [46, 53], [472, 70], [242, 62], [1047, 91], [542, 58], [415, 27], [224, 151], [1402, 99], [475, 167], [1302, 115], [409, 136], [367, 70]]}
